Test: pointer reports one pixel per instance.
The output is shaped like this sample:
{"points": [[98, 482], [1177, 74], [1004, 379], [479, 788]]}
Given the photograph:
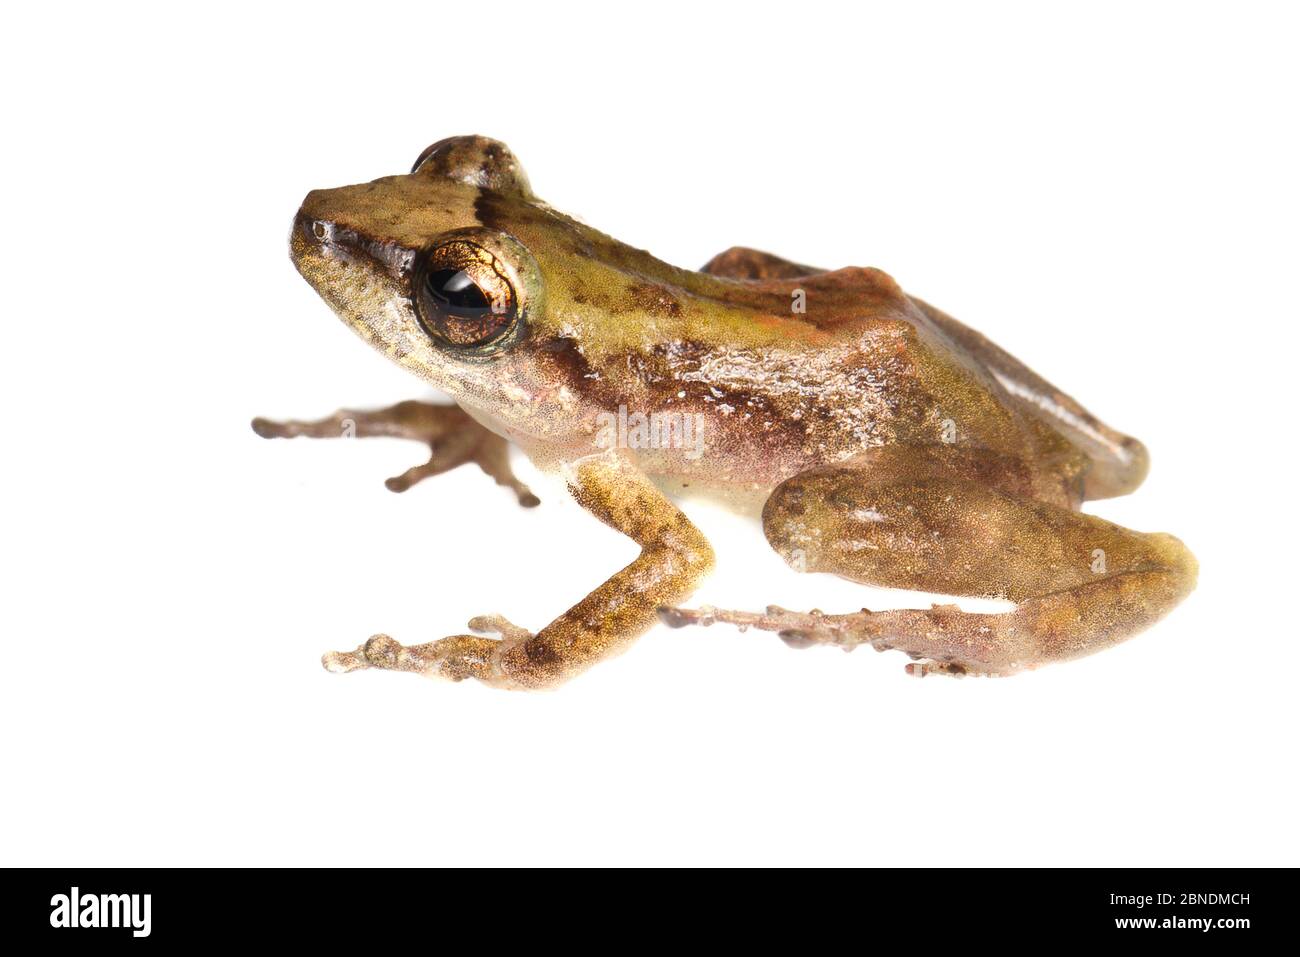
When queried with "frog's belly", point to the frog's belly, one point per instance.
{"points": [[744, 458], [743, 498]]}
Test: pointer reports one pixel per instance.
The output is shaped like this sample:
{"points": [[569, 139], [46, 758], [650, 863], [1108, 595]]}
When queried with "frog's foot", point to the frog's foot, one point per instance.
{"points": [[924, 635], [457, 657], [453, 438]]}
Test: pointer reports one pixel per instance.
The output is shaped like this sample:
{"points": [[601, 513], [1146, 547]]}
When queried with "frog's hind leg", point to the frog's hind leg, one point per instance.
{"points": [[453, 437], [1079, 583]]}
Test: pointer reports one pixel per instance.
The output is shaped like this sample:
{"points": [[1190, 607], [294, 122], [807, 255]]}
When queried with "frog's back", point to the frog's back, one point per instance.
{"points": [[945, 379], [859, 365]]}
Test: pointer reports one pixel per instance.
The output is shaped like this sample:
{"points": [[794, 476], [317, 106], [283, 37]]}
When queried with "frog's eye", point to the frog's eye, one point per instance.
{"points": [[475, 161], [463, 296]]}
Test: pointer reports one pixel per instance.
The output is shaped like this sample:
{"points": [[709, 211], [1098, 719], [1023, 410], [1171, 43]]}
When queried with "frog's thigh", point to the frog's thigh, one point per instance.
{"points": [[1079, 583], [939, 533]]}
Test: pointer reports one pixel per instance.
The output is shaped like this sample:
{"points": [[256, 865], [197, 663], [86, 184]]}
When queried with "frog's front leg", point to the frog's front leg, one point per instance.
{"points": [[904, 521], [674, 555], [453, 437]]}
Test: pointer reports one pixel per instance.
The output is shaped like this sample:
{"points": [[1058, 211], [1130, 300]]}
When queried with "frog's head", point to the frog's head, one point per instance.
{"points": [[534, 322], [439, 269]]}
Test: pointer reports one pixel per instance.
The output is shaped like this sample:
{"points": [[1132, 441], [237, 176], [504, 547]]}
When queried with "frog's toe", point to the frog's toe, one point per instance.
{"points": [[400, 483], [378, 651], [457, 657], [341, 662], [268, 428], [681, 617], [497, 625]]}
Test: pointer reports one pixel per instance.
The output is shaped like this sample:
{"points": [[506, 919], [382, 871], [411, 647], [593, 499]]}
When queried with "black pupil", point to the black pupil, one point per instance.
{"points": [[460, 294]]}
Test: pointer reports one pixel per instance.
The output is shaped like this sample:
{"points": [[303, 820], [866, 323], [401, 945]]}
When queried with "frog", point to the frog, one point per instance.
{"points": [[871, 435]]}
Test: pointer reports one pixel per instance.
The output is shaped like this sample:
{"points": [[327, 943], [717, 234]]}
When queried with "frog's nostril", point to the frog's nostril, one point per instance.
{"points": [[313, 230]]}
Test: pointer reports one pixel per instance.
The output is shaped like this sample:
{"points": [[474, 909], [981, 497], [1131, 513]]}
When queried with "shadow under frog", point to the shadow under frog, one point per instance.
{"points": [[874, 436]]}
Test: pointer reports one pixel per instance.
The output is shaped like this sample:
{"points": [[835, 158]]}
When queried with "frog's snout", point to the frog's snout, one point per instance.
{"points": [[311, 240], [317, 235], [317, 225]]}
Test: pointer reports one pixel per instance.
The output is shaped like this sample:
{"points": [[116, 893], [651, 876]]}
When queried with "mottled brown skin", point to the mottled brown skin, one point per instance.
{"points": [[881, 439]]}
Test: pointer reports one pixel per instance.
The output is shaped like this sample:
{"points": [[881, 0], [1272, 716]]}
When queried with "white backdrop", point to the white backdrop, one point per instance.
{"points": [[1109, 191]]}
